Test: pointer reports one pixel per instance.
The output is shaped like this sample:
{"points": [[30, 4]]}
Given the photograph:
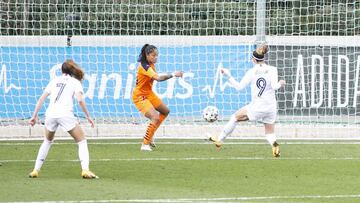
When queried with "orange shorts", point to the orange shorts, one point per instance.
{"points": [[145, 103]]}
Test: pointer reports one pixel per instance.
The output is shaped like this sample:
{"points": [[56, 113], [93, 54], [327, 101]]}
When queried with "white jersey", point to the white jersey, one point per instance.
{"points": [[62, 90], [264, 81]]}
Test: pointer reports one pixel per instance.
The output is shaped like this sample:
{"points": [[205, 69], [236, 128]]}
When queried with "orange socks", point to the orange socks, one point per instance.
{"points": [[149, 133], [151, 129], [161, 118]]}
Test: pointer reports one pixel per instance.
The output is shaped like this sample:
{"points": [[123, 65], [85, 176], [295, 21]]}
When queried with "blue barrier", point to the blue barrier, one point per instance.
{"points": [[111, 73]]}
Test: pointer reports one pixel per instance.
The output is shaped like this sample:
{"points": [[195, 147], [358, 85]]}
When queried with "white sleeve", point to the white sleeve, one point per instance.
{"points": [[78, 87], [274, 79], [49, 87], [244, 81]]}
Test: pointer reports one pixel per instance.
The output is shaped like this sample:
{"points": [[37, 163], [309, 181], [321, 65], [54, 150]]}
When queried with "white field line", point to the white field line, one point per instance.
{"points": [[193, 143], [217, 199], [187, 159], [183, 138]]}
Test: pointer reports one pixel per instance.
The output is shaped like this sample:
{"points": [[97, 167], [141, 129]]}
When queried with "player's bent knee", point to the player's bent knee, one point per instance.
{"points": [[242, 118], [155, 119]]}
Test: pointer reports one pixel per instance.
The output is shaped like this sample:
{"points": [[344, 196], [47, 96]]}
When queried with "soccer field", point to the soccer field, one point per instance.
{"points": [[184, 171]]}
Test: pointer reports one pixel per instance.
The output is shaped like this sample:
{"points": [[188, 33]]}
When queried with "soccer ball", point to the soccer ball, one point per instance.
{"points": [[210, 113]]}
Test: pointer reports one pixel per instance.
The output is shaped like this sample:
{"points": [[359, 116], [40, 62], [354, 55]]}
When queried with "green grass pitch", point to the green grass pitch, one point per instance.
{"points": [[184, 171]]}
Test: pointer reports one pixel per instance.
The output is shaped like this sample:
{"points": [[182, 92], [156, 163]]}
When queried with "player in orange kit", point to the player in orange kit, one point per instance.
{"points": [[145, 100]]}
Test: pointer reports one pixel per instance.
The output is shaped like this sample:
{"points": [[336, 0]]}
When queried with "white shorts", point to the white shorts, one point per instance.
{"points": [[68, 123], [265, 117]]}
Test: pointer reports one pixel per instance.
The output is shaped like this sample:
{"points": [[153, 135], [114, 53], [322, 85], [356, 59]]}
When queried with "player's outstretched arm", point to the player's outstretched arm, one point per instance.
{"points": [[80, 99], [38, 106], [238, 85], [163, 77]]}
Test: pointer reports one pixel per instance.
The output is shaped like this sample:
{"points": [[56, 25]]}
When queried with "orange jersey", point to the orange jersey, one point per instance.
{"points": [[144, 80]]}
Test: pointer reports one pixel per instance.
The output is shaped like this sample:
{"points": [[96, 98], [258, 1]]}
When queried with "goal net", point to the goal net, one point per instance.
{"points": [[312, 43]]}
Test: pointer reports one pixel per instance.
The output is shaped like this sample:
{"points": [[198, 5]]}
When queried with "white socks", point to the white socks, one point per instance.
{"points": [[230, 126], [45, 147], [271, 138], [43, 151], [84, 154], [228, 129]]}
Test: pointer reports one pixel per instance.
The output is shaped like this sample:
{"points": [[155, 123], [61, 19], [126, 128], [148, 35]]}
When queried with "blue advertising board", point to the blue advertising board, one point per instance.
{"points": [[111, 75]]}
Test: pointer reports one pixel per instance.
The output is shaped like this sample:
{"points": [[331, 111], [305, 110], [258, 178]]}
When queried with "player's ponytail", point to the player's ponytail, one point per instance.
{"points": [[145, 50], [259, 53], [73, 69]]}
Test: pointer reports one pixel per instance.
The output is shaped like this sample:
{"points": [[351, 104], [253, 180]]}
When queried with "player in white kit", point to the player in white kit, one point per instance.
{"points": [[62, 91], [263, 106]]}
